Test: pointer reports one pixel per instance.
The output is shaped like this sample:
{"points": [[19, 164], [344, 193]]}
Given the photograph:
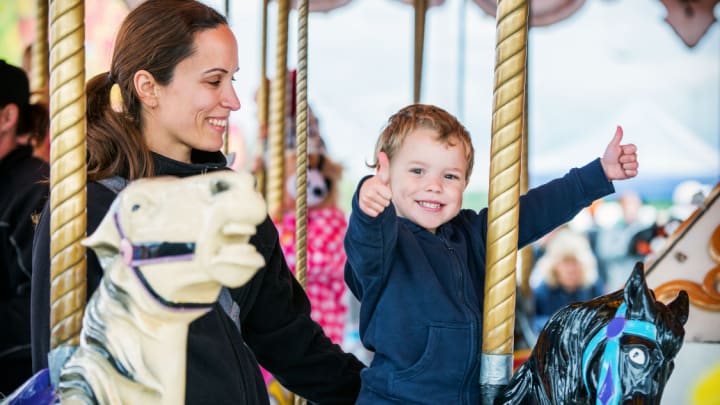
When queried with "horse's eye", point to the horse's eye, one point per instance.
{"points": [[637, 356]]}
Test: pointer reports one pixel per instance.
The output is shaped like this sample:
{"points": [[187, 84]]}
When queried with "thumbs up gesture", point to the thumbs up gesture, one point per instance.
{"points": [[375, 193], [619, 161]]}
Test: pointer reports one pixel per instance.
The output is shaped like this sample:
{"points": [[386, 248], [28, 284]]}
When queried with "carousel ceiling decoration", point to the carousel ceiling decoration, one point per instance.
{"points": [[542, 12], [322, 6], [690, 18]]}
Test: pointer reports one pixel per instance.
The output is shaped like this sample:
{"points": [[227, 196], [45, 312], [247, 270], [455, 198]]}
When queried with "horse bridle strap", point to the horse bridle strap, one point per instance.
{"points": [[609, 390], [141, 254]]}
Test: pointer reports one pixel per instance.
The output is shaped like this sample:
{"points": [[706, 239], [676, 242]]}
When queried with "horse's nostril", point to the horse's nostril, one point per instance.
{"points": [[218, 186]]}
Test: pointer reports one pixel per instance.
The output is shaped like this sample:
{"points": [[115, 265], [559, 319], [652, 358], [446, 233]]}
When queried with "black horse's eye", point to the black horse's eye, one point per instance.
{"points": [[219, 186], [135, 207], [637, 356]]}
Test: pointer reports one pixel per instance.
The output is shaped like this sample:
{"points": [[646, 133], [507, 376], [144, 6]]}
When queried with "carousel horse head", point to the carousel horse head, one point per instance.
{"points": [[167, 247], [183, 238], [615, 349]]}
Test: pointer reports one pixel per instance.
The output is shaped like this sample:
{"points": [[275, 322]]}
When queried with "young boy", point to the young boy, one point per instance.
{"points": [[416, 260]]}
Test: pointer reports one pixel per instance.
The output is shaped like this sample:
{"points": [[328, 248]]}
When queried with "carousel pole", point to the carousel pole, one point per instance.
{"points": [[301, 126], [527, 257], [276, 169], [420, 11], [39, 66], [503, 199], [67, 177], [262, 103]]}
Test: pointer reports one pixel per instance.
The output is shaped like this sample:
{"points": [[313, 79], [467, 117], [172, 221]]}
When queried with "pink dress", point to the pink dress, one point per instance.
{"points": [[325, 282]]}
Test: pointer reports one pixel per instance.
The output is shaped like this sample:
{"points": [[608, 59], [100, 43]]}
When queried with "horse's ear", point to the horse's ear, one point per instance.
{"points": [[638, 297], [680, 307]]}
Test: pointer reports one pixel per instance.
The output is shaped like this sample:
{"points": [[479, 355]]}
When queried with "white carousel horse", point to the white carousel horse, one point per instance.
{"points": [[167, 246]]}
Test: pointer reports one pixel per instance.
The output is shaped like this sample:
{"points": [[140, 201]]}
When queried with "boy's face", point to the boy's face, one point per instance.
{"points": [[427, 178]]}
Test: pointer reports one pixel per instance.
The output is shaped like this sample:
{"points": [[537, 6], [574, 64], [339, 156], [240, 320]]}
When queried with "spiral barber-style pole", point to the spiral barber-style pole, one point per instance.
{"points": [[39, 66], [67, 171], [301, 131], [276, 160], [263, 92], [503, 199]]}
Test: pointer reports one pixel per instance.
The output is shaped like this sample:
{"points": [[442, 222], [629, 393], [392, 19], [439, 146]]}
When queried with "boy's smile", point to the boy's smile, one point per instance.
{"points": [[427, 178]]}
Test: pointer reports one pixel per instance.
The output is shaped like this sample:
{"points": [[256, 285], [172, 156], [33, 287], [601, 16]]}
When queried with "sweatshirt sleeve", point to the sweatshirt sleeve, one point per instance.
{"points": [[368, 242], [550, 205], [276, 325]]}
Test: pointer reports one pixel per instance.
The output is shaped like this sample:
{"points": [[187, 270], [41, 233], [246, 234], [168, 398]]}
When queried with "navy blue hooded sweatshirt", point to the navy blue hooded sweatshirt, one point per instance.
{"points": [[422, 293]]}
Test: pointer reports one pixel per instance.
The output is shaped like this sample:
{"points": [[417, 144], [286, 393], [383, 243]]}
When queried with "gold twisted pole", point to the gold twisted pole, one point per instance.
{"points": [[301, 130], [39, 66], [67, 171], [301, 125], [276, 164], [527, 257], [262, 103], [420, 11], [503, 200]]}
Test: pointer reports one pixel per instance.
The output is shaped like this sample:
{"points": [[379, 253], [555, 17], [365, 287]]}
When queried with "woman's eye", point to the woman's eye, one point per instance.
{"points": [[214, 83], [637, 356]]}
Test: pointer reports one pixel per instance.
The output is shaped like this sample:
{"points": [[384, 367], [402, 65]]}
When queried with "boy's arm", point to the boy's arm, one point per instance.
{"points": [[548, 206]]}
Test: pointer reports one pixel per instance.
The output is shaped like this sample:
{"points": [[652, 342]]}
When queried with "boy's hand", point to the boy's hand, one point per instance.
{"points": [[620, 161], [375, 192]]}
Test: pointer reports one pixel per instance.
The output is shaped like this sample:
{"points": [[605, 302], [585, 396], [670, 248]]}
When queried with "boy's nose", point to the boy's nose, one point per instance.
{"points": [[434, 184]]}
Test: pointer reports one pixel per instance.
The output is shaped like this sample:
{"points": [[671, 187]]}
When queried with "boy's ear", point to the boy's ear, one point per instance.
{"points": [[146, 88], [9, 117]]}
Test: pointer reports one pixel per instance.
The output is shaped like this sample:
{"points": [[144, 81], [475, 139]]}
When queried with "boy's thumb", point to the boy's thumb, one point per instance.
{"points": [[383, 169], [618, 136]]}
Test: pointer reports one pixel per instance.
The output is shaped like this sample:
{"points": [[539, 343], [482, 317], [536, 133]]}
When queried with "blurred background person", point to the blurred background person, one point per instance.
{"points": [[23, 192], [568, 273]]}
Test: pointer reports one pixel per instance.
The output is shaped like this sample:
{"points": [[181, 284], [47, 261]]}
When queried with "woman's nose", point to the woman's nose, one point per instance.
{"points": [[231, 100]]}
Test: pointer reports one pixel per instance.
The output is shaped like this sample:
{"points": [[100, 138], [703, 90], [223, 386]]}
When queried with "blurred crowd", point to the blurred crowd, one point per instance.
{"points": [[596, 251]]}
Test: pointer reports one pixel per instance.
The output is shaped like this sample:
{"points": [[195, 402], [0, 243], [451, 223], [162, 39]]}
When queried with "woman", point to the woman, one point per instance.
{"points": [[173, 63], [569, 274]]}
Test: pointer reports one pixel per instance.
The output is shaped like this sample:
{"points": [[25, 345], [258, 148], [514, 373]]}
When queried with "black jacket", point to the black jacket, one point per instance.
{"points": [[221, 363], [23, 192]]}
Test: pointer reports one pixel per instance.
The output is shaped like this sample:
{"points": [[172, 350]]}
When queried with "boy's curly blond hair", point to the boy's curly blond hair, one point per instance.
{"points": [[415, 116]]}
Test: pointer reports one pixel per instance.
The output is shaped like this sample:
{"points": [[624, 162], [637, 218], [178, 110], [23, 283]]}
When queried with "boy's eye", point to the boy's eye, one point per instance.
{"points": [[416, 171], [452, 177]]}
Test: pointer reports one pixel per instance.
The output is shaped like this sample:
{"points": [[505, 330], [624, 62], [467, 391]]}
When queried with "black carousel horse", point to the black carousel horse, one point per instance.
{"points": [[615, 349]]}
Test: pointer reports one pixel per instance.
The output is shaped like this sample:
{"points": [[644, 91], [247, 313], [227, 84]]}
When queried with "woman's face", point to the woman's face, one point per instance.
{"points": [[192, 110], [569, 274]]}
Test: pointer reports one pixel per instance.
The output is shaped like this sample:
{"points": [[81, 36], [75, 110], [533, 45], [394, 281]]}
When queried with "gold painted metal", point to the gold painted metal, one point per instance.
{"points": [[262, 103], [67, 171], [527, 257], [39, 66], [134, 343], [420, 12], [276, 163], [301, 154], [503, 205]]}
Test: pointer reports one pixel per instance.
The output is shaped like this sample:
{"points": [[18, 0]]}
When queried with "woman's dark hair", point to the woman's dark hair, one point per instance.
{"points": [[155, 36]]}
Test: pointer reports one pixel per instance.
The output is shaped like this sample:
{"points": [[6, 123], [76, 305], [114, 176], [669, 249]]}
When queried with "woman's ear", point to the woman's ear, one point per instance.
{"points": [[146, 88]]}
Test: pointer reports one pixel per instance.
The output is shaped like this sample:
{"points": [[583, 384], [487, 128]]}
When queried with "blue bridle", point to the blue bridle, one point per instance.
{"points": [[609, 390]]}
